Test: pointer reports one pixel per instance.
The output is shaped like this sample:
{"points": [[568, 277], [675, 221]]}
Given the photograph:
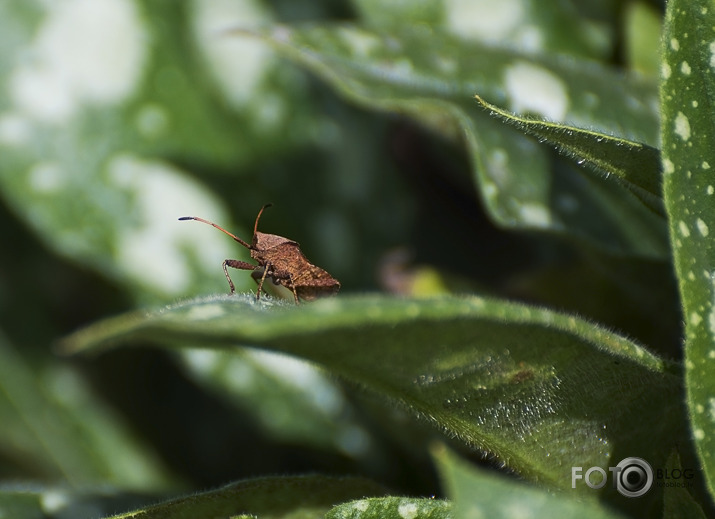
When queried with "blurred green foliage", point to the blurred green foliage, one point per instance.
{"points": [[357, 120]]}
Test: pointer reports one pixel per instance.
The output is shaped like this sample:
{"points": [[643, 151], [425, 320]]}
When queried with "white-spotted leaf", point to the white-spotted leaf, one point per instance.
{"points": [[58, 429], [634, 165], [432, 77], [297, 496], [103, 117], [688, 133], [392, 508]]}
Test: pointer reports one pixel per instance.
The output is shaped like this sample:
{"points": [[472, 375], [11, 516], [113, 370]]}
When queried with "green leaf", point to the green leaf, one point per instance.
{"points": [[402, 69], [677, 501], [635, 166], [270, 497], [530, 25], [480, 493], [89, 124], [23, 501], [432, 77], [53, 427], [21, 504], [540, 390], [291, 400], [643, 25], [688, 133], [392, 508]]}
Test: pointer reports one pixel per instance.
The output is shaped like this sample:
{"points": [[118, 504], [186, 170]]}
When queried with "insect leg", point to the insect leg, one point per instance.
{"points": [[292, 287], [241, 265], [263, 278]]}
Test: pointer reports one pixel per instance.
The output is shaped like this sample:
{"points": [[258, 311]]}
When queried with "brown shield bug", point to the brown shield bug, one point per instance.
{"points": [[281, 260]]}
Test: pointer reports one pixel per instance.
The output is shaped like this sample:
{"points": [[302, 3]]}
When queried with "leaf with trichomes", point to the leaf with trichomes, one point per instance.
{"points": [[540, 390], [688, 133]]}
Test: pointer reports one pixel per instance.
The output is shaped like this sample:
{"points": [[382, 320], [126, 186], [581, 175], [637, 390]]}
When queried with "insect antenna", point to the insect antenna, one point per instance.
{"points": [[239, 240], [255, 226]]}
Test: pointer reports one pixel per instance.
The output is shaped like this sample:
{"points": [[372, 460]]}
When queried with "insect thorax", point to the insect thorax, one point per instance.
{"points": [[262, 241]]}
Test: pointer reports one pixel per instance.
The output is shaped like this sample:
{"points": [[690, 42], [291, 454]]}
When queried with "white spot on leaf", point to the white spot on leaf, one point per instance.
{"points": [[316, 387], [682, 126], [354, 441], [535, 215], [54, 501], [665, 70], [205, 312], [238, 63], [702, 227], [668, 166], [535, 89], [490, 20], [202, 361], [363, 44], [684, 231], [407, 510], [498, 162], [711, 318], [685, 68], [85, 52], [162, 194], [530, 37]]}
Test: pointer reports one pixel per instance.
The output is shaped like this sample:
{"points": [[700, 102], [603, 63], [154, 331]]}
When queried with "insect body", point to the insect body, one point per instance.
{"points": [[280, 260]]}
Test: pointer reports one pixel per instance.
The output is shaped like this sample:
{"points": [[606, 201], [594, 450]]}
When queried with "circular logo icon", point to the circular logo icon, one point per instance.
{"points": [[634, 478]]}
